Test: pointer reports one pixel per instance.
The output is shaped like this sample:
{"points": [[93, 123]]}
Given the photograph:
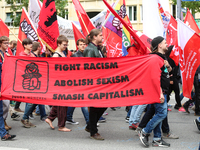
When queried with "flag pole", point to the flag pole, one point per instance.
{"points": [[15, 36], [124, 23], [107, 38], [83, 22]]}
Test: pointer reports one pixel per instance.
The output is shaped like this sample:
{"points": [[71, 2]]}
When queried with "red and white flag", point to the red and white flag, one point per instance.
{"points": [[83, 18], [26, 30], [4, 31], [77, 34], [48, 24], [190, 22], [189, 52], [171, 39]]}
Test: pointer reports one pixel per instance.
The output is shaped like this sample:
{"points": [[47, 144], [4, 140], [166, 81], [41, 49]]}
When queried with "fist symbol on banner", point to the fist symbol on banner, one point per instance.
{"points": [[117, 24], [31, 77], [122, 11]]}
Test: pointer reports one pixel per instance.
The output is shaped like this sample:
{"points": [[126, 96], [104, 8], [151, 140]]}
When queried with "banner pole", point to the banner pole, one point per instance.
{"points": [[15, 36], [83, 22]]}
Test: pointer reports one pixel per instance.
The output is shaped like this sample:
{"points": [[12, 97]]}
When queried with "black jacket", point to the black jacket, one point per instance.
{"points": [[197, 71], [92, 51], [175, 73], [164, 75], [78, 54]]}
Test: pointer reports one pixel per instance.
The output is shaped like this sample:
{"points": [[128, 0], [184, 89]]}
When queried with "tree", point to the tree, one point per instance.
{"points": [[194, 6], [16, 9]]}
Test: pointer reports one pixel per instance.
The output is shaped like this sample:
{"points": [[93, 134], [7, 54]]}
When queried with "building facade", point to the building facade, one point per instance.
{"points": [[92, 7]]}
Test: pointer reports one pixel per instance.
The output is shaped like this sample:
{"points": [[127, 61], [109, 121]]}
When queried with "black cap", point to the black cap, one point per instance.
{"points": [[157, 40]]}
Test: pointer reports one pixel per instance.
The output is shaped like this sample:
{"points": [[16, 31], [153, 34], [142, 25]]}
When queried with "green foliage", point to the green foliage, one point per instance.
{"points": [[16, 8], [194, 6]]}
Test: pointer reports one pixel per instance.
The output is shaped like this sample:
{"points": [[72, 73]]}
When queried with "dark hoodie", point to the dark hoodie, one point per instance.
{"points": [[164, 80]]}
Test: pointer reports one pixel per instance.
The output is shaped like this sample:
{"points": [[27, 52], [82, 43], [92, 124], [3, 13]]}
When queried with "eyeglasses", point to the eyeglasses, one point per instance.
{"points": [[5, 43]]}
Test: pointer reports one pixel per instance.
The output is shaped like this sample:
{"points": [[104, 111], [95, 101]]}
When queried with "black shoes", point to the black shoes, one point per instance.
{"points": [[197, 124], [185, 106], [14, 116], [144, 138], [8, 137], [177, 107], [160, 143], [197, 114], [113, 108]]}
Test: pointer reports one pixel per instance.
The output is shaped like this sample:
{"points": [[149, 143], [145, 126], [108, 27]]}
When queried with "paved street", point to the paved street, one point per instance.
{"points": [[115, 131]]}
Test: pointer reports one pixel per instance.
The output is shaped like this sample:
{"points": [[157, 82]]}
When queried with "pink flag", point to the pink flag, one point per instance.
{"points": [[189, 43]]}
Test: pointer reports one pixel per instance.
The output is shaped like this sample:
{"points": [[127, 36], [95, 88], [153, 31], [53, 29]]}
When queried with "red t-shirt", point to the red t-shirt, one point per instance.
{"points": [[24, 54]]}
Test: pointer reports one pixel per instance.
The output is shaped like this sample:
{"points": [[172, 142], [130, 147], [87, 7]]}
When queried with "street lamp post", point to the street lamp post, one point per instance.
{"points": [[179, 9]]}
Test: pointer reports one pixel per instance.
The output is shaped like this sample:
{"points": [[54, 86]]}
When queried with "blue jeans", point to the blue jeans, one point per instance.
{"points": [[70, 111], [37, 111], [181, 95], [3, 131], [198, 119], [129, 112], [40, 109], [27, 111], [136, 113], [156, 122]]}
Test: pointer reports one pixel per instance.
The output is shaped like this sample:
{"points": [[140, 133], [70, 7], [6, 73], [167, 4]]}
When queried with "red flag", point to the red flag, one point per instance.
{"points": [[171, 39], [189, 21], [48, 24], [77, 34], [4, 31], [83, 18], [175, 54], [26, 30], [133, 34], [189, 43], [9, 51], [171, 35], [113, 43]]}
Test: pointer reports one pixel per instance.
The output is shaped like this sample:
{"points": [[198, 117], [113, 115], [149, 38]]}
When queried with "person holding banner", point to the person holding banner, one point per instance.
{"points": [[159, 47], [4, 41], [36, 50], [6, 103], [59, 111], [27, 44], [81, 47], [94, 39]]}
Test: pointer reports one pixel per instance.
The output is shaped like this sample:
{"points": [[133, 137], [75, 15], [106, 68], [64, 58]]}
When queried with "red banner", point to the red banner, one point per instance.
{"points": [[78, 82]]}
